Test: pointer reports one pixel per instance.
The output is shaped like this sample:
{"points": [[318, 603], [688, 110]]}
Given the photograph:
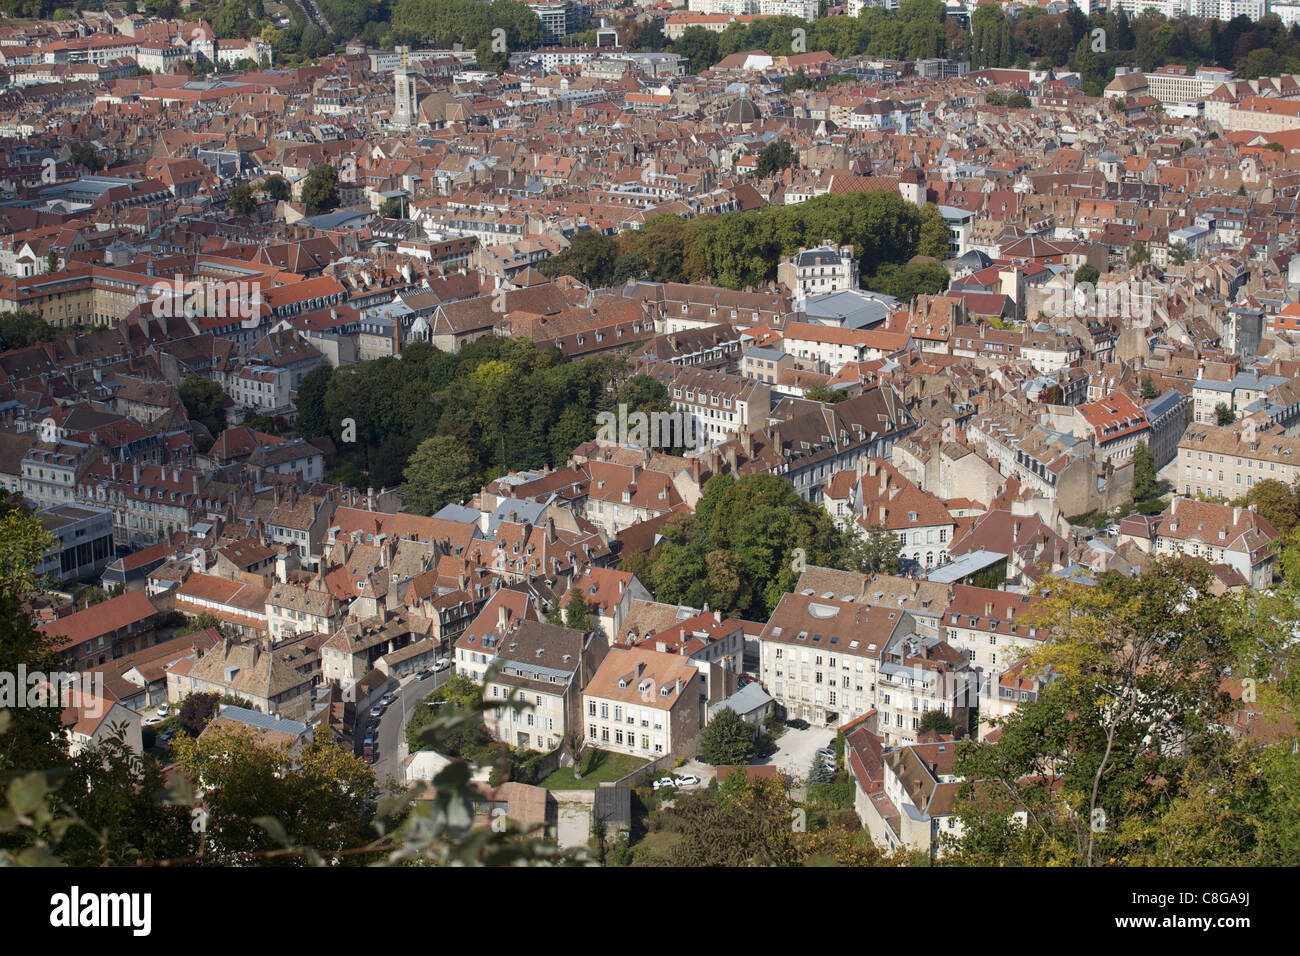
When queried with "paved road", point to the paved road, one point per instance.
{"points": [[392, 726]]}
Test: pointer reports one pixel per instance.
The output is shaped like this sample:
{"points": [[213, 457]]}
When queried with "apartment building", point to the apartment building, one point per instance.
{"points": [[52, 470], [103, 632], [1226, 462], [819, 657], [1175, 85], [994, 629], [149, 502], [827, 349], [1020, 683], [619, 496], [912, 805], [920, 674], [1221, 534], [476, 648], [720, 404], [1236, 394], [820, 271], [1116, 424], [546, 668], [266, 680], [879, 495], [644, 703], [352, 651], [293, 609]]}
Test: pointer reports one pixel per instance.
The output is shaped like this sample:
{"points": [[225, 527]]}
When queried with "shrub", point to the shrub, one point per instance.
{"points": [[838, 794]]}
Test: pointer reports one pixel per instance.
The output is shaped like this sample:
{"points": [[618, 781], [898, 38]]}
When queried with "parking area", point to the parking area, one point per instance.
{"points": [[795, 750]]}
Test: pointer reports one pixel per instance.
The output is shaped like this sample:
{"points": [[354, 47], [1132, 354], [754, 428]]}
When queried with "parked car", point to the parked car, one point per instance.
{"points": [[828, 752], [378, 710], [165, 738], [369, 747], [764, 751], [746, 679], [424, 674], [664, 782], [797, 723], [162, 710], [387, 700], [687, 780], [370, 758], [441, 664]]}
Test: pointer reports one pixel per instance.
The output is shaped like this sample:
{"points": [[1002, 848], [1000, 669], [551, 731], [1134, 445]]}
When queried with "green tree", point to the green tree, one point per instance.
{"points": [[1277, 503], [590, 259], [196, 710], [727, 740], [391, 209], [1138, 253], [199, 622], [934, 235], [1179, 253], [818, 773], [1087, 273], [876, 550], [121, 822], [241, 199], [1149, 388], [319, 798], [85, 155], [935, 720], [576, 614], [312, 420], [1145, 485], [21, 329], [24, 543], [1223, 415], [490, 58], [821, 392], [776, 156], [1138, 663], [441, 472], [905, 282], [699, 46], [204, 402], [276, 188], [754, 815], [740, 550], [320, 192]]}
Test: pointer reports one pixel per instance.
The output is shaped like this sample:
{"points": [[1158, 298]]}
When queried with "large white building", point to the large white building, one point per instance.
{"points": [[1177, 85], [821, 271], [1201, 9], [803, 9]]}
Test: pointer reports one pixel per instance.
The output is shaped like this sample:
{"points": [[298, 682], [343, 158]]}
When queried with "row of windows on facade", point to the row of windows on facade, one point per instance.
{"points": [[604, 735]]}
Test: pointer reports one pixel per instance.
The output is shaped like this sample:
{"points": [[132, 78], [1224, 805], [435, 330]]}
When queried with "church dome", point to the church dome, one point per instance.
{"points": [[743, 112]]}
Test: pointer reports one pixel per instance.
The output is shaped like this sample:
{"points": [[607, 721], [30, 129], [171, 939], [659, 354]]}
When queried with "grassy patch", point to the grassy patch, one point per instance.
{"points": [[656, 848], [602, 767]]}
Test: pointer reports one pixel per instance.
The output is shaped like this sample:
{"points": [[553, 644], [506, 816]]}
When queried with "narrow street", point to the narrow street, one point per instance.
{"points": [[392, 727]]}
